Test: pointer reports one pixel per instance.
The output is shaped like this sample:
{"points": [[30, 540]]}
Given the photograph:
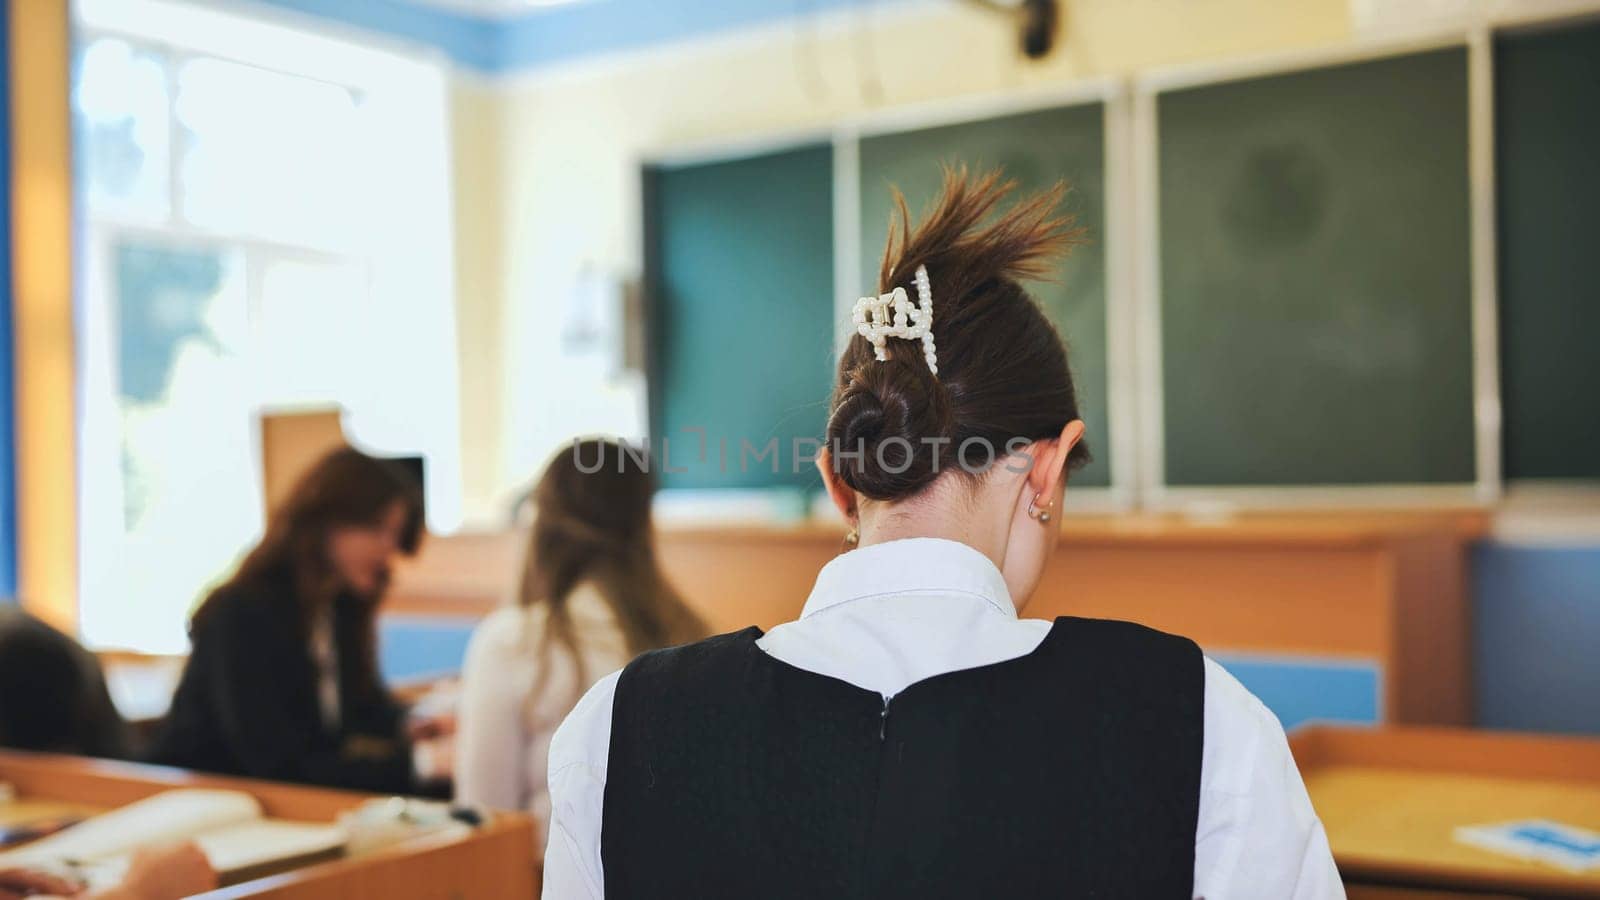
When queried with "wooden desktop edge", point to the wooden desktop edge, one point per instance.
{"points": [[105, 782], [506, 839], [1450, 750], [1510, 754], [507, 834]]}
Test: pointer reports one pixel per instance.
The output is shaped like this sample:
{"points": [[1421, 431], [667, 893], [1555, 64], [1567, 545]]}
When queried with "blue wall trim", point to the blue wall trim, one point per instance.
{"points": [[611, 26], [8, 505], [559, 34], [419, 646], [468, 41], [1300, 691], [1537, 637]]}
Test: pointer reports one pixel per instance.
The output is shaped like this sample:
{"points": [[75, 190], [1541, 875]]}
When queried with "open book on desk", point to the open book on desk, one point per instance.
{"points": [[229, 827]]}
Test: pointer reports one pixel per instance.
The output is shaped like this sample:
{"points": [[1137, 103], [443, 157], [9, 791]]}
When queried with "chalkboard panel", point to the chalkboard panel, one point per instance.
{"points": [[1037, 149], [1547, 154], [740, 279], [1315, 277]]}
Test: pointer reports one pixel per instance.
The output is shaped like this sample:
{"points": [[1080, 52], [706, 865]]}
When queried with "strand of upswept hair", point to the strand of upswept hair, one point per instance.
{"points": [[1021, 244]]}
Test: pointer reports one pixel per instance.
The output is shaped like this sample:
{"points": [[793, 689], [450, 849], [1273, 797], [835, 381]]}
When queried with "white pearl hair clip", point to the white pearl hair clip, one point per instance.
{"points": [[872, 316]]}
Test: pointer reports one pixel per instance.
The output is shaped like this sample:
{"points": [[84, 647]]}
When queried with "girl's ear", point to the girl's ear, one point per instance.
{"points": [[842, 495], [1050, 460]]}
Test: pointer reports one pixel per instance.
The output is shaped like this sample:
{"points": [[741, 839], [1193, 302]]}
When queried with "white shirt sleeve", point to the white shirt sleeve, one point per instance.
{"points": [[1258, 836], [491, 738], [579, 754]]}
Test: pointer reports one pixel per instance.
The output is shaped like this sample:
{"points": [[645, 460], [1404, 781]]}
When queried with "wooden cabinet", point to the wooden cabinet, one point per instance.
{"points": [[1356, 617]]}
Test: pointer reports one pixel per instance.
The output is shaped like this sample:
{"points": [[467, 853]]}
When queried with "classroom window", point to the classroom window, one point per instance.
{"points": [[125, 129], [270, 155], [244, 250]]}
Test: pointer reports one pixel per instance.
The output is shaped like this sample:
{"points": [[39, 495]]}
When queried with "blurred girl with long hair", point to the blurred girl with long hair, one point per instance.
{"points": [[591, 598], [282, 681]]}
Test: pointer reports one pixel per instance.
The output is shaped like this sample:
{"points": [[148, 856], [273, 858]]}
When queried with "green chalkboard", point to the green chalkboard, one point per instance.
{"points": [[1037, 149], [739, 278], [1316, 310], [1547, 158]]}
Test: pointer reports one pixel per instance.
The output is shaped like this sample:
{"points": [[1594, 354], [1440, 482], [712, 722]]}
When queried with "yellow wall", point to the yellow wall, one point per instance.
{"points": [[479, 162], [571, 142]]}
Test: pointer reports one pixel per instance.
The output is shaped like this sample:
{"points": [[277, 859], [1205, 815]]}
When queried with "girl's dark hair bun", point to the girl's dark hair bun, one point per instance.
{"points": [[894, 427], [890, 424]]}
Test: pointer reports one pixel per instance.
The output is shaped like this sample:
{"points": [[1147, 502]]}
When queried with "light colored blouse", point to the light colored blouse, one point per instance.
{"points": [[507, 715], [886, 616]]}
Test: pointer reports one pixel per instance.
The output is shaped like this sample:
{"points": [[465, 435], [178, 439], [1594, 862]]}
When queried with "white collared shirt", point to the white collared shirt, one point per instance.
{"points": [[886, 616]]}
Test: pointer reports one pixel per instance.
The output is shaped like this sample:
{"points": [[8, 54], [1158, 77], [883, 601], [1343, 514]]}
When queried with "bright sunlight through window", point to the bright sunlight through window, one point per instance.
{"points": [[266, 227]]}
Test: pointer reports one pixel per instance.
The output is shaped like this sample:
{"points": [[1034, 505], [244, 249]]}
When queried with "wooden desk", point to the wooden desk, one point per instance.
{"points": [[495, 861], [1381, 595], [1392, 798]]}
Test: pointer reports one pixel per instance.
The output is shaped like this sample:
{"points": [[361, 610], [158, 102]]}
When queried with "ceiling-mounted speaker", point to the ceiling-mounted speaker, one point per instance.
{"points": [[1038, 20]]}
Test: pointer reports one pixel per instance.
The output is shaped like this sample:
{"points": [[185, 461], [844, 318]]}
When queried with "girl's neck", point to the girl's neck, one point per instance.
{"points": [[936, 515]]}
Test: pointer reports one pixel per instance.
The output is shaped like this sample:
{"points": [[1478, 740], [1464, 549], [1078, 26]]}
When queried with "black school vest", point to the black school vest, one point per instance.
{"points": [[1071, 772]]}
